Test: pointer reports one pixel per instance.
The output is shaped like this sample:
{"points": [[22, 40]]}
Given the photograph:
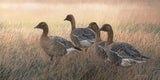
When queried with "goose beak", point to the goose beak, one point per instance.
{"points": [[35, 27], [65, 19], [100, 29]]}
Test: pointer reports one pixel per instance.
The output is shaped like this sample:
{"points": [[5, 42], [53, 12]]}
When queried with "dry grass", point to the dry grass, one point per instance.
{"points": [[22, 57]]}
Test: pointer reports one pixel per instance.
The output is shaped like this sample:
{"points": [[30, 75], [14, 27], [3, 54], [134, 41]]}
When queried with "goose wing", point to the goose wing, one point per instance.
{"points": [[132, 50], [67, 44], [126, 50], [123, 58], [83, 34], [56, 48]]}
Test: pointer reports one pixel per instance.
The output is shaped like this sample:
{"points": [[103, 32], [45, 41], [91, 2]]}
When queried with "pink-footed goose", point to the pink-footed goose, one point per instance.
{"points": [[82, 37], [54, 46], [121, 53], [99, 44]]}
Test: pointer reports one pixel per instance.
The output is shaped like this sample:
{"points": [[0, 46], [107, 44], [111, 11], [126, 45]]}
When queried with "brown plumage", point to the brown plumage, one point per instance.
{"points": [[54, 46], [82, 37], [99, 44], [120, 53]]}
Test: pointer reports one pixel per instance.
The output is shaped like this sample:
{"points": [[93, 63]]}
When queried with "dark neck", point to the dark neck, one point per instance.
{"points": [[73, 23], [110, 38], [97, 36], [45, 32]]}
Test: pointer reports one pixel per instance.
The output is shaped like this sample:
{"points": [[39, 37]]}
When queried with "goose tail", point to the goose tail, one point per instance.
{"points": [[77, 48], [73, 49], [140, 61]]}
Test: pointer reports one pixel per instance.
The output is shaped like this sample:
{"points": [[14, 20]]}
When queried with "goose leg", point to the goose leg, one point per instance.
{"points": [[86, 50], [132, 71], [112, 67], [57, 60], [51, 60], [117, 70], [105, 65], [87, 57]]}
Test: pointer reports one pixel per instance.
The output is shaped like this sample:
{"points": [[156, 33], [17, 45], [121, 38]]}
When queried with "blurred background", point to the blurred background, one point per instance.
{"points": [[103, 11], [136, 22]]}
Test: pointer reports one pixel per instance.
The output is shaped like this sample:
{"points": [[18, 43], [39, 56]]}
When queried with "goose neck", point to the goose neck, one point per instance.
{"points": [[110, 38], [97, 36], [73, 23], [45, 32]]}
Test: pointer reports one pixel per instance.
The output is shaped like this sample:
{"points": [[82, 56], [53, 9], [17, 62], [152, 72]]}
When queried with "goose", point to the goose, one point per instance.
{"points": [[81, 37], [121, 53], [99, 44], [54, 46]]}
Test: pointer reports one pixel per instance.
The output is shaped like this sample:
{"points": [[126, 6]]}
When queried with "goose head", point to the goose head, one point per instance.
{"points": [[106, 27], [93, 26], [42, 25], [69, 17]]}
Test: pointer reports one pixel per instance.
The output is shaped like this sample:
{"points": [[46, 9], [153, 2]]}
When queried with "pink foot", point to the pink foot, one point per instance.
{"points": [[105, 63], [51, 60], [117, 70]]}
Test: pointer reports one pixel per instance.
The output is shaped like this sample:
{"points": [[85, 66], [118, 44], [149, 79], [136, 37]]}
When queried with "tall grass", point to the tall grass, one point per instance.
{"points": [[22, 57]]}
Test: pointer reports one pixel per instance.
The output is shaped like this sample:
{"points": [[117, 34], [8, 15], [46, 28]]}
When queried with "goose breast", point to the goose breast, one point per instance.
{"points": [[100, 49]]}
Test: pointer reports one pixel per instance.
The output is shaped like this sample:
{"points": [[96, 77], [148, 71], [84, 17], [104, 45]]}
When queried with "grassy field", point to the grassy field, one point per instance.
{"points": [[21, 57]]}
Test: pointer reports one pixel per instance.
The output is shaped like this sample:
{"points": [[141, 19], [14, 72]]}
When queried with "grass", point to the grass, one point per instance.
{"points": [[22, 57]]}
